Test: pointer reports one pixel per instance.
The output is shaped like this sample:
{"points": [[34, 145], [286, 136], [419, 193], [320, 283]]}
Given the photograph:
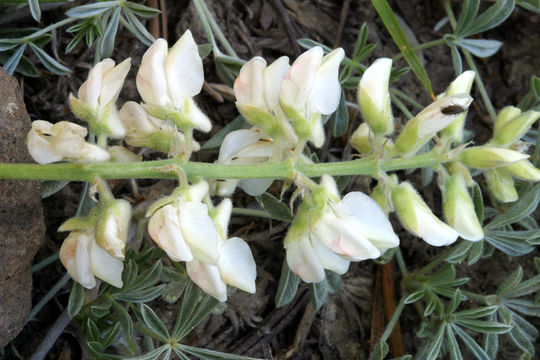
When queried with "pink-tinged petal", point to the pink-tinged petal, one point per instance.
{"points": [[151, 80], [236, 265], [164, 229], [304, 261], [75, 258], [344, 238], [298, 82], [106, 267], [249, 85], [324, 98], [184, 69], [90, 90], [207, 277], [329, 259], [235, 141], [370, 219], [112, 82], [272, 77], [199, 231]]}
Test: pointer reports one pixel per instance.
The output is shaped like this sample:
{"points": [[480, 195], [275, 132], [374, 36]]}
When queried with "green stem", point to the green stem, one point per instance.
{"points": [[43, 263], [217, 31], [60, 284], [407, 98], [450, 13], [393, 321], [480, 85], [401, 263], [420, 47], [401, 106], [151, 169]]}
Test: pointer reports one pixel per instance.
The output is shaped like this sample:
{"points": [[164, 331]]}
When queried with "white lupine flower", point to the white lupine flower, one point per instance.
{"points": [[96, 98], [112, 226], [459, 210], [374, 98], [168, 80], [235, 266], [354, 228], [309, 89], [84, 260], [243, 147], [461, 85], [434, 118], [184, 229], [142, 129], [48, 143], [416, 217], [257, 90]]}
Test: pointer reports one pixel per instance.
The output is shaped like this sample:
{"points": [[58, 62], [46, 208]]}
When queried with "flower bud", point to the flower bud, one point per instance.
{"points": [[501, 185], [523, 170], [416, 217], [507, 114], [461, 85], [485, 157], [435, 117], [48, 143], [361, 138], [374, 98], [112, 224], [458, 208], [514, 129], [457, 167], [96, 102]]}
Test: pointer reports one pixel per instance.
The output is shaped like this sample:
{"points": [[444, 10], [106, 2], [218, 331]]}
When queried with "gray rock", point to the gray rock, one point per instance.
{"points": [[21, 214]]}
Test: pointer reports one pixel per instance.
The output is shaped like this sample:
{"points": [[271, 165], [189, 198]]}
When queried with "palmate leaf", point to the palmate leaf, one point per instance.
{"points": [[48, 61], [480, 47], [76, 299], [11, 64], [489, 19], [153, 322], [89, 10], [106, 42], [206, 354], [35, 9], [274, 207], [524, 207]]}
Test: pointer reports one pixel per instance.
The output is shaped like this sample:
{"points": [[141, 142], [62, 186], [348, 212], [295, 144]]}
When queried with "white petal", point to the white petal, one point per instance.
{"points": [[432, 120], [199, 231], [255, 187], [236, 265], [370, 218], [104, 266], [249, 85], [164, 229], [298, 81], [375, 82], [198, 119], [208, 279], [329, 259], [198, 191], [222, 216], [92, 153], [272, 76], [326, 92], [236, 141], [75, 258], [344, 238], [304, 261], [135, 119], [184, 69], [39, 146], [151, 80], [112, 82], [91, 89], [226, 187], [433, 230]]}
